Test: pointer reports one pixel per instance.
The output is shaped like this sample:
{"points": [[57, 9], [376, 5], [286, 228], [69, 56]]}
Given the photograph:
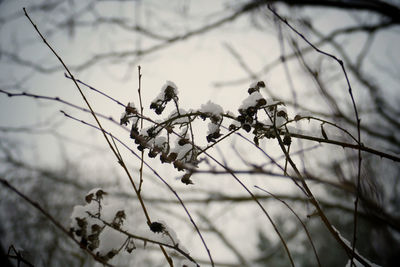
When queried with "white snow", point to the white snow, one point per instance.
{"points": [[171, 234], [181, 112], [169, 83], [80, 211], [281, 108], [143, 132], [304, 114], [110, 239], [161, 95], [77, 212], [183, 151], [295, 130], [134, 120], [272, 102], [230, 113], [212, 128], [253, 85], [94, 191], [108, 211], [160, 141], [251, 100], [211, 108], [236, 123], [357, 263], [279, 121]]}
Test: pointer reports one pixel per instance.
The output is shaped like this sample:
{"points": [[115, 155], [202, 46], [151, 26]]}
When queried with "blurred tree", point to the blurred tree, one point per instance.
{"points": [[363, 34]]}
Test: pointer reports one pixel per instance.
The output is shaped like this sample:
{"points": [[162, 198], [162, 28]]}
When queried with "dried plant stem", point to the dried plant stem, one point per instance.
{"points": [[36, 205], [258, 203], [298, 218], [120, 160], [358, 120], [159, 177], [93, 114], [241, 258], [295, 135], [313, 200], [141, 127]]}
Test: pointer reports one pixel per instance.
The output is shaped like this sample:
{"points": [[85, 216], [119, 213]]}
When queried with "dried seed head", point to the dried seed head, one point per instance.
{"points": [[120, 214], [255, 139], [287, 140], [163, 157], [95, 228], [152, 153], [124, 120], [111, 254], [100, 193], [179, 165], [89, 198], [130, 110], [172, 156], [186, 179], [241, 118], [246, 127], [281, 113], [261, 84], [169, 93], [130, 246], [157, 227], [81, 222], [153, 105], [159, 110], [261, 102], [251, 90], [232, 127], [183, 141]]}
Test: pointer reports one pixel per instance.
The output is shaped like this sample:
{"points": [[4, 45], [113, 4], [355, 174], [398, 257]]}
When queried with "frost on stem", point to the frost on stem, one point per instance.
{"points": [[356, 262], [87, 225]]}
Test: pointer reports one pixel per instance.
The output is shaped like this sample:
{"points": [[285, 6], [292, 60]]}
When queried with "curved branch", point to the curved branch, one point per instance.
{"points": [[380, 7]]}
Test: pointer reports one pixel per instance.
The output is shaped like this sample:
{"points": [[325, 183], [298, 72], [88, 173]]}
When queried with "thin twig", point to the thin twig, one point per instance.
{"points": [[358, 120], [259, 204], [314, 201], [159, 177], [5, 183], [298, 218], [141, 127], [295, 135], [120, 160]]}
